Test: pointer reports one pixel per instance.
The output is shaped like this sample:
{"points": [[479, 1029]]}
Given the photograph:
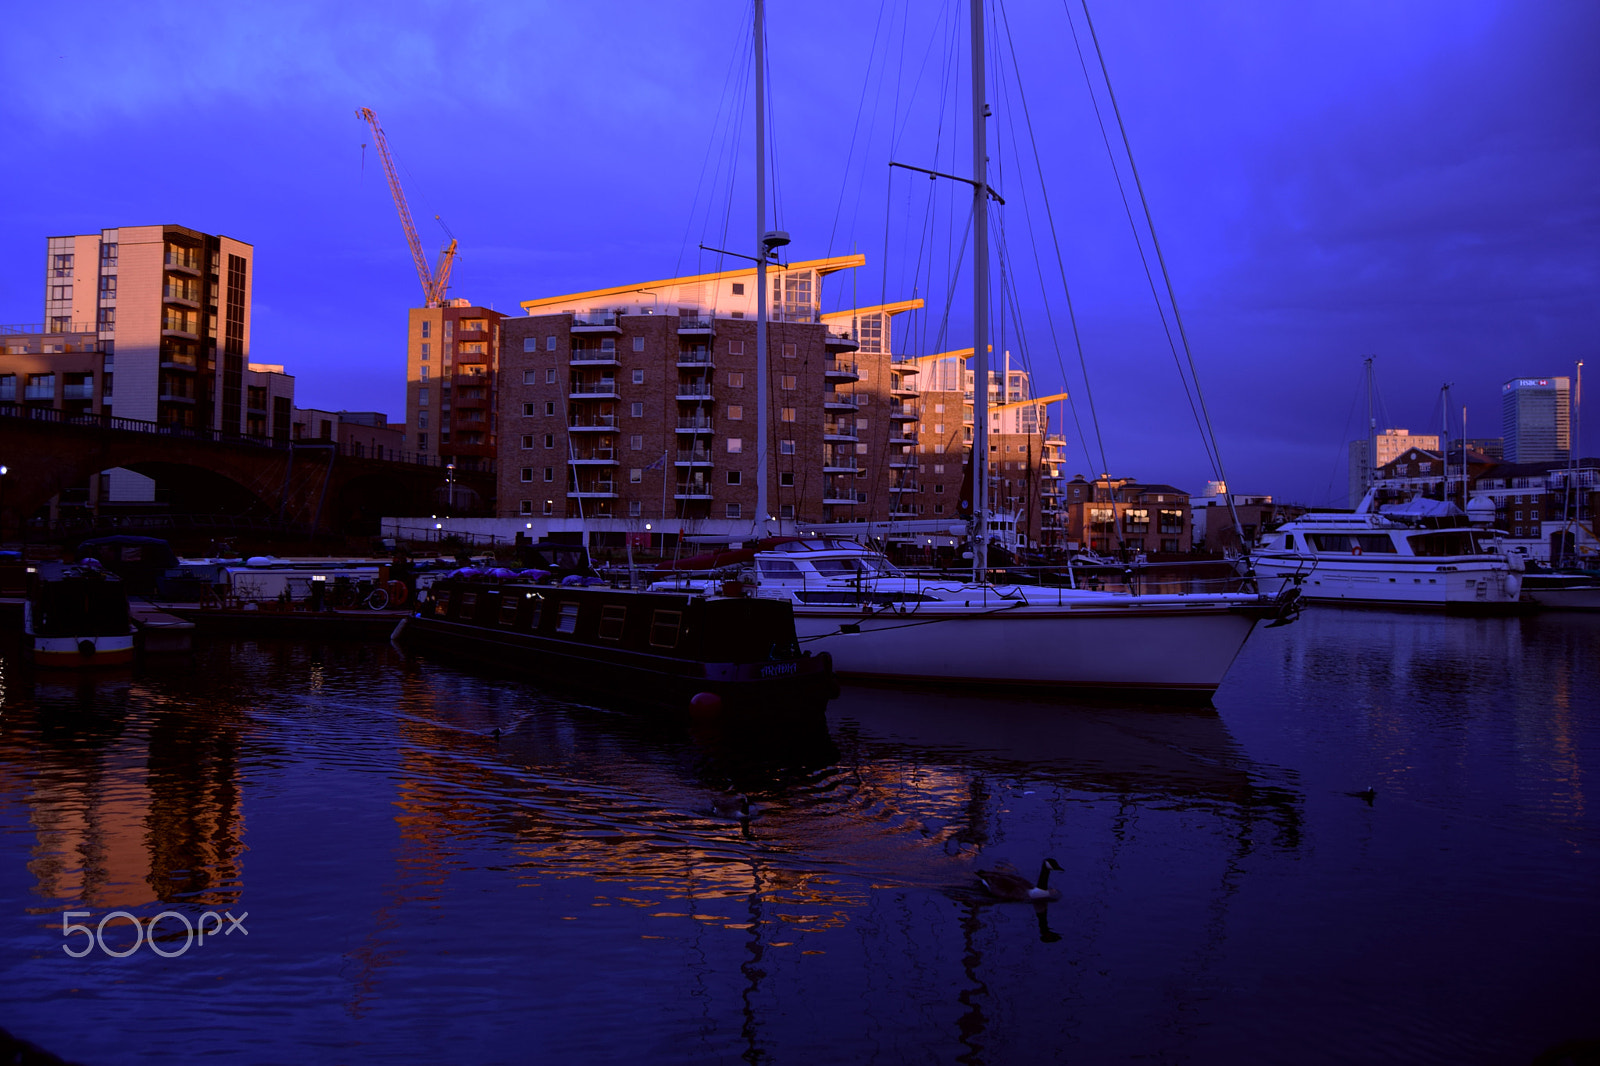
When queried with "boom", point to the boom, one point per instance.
{"points": [[433, 281]]}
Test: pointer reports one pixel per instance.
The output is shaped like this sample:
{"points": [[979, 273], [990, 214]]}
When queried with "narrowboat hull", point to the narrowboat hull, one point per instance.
{"points": [[78, 653]]}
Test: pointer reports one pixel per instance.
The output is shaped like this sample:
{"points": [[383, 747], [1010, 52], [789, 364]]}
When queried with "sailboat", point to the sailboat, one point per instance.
{"points": [[877, 622]]}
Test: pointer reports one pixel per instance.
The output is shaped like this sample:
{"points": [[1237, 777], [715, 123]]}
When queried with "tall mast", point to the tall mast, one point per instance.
{"points": [[1372, 431], [761, 271], [980, 304], [1444, 435]]}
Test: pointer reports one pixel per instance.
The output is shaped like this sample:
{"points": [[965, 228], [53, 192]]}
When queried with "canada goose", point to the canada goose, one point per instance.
{"points": [[1006, 882]]}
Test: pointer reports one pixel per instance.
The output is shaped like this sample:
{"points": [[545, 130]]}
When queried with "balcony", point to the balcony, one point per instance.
{"points": [[694, 457], [900, 388], [85, 391], [595, 490], [906, 486], [903, 412], [177, 327], [793, 311], [696, 324], [837, 401], [839, 464], [905, 440], [839, 342], [186, 264], [902, 461], [904, 509], [696, 391], [839, 497], [178, 361], [692, 490], [839, 370], [593, 357], [167, 396], [183, 295], [694, 425], [593, 457], [839, 431], [601, 323], [699, 358], [604, 389], [593, 424]]}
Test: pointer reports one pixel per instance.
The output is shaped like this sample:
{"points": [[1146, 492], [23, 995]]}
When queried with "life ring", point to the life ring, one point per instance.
{"points": [[1356, 550], [397, 592]]}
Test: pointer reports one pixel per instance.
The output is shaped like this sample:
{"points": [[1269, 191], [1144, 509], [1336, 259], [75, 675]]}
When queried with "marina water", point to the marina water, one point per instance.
{"points": [[405, 885]]}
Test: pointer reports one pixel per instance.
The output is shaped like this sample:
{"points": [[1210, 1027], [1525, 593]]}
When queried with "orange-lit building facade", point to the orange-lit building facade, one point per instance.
{"points": [[452, 373]]}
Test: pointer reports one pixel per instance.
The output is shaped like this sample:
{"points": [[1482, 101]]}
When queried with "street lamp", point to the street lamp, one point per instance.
{"points": [[450, 483], [4, 470]]}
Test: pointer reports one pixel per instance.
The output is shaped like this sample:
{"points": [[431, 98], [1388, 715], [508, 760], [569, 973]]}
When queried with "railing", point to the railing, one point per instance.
{"points": [[838, 366], [839, 463], [694, 322], [902, 438], [694, 423], [593, 422], [792, 312], [597, 388], [839, 399], [39, 392], [181, 292], [90, 420], [594, 486], [579, 321], [593, 355], [185, 262], [695, 356], [77, 392], [39, 327], [695, 455], [839, 429], [693, 388], [906, 486], [595, 455], [839, 496]]}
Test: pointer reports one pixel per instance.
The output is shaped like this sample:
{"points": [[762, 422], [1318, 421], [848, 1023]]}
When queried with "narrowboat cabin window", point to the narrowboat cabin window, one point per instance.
{"points": [[567, 622], [469, 604], [664, 628], [441, 603], [538, 608], [508, 610], [611, 620]]}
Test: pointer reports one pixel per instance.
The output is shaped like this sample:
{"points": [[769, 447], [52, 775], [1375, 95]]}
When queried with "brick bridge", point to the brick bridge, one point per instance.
{"points": [[315, 486]]}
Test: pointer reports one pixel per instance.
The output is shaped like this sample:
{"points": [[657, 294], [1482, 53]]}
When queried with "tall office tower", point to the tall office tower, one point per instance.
{"points": [[1535, 419], [171, 309]]}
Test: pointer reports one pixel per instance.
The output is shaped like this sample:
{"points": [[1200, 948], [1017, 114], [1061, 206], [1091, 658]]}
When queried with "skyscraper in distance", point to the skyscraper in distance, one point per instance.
{"points": [[1535, 419]]}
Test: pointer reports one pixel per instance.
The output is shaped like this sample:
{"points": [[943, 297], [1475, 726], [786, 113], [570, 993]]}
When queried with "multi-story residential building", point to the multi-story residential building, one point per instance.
{"points": [[1390, 443], [1121, 515], [1218, 526], [1548, 510], [1535, 419], [452, 373], [365, 434]]}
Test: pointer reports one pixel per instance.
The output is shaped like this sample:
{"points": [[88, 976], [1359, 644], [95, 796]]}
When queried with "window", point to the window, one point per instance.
{"points": [[527, 506], [108, 254], [733, 477], [735, 381], [61, 292], [938, 468], [549, 377], [635, 475], [939, 488], [549, 506], [530, 377], [108, 287], [549, 407], [424, 373], [527, 473], [638, 344], [738, 288], [664, 626], [508, 609], [786, 479], [549, 440], [635, 508], [530, 344], [422, 441], [786, 510], [736, 347], [612, 619], [638, 410], [938, 427], [527, 410], [527, 441], [636, 442], [1172, 522], [106, 318], [786, 447], [786, 381], [861, 424], [732, 510], [567, 621], [427, 329], [638, 377], [549, 344], [735, 445], [788, 351], [549, 473], [422, 420], [735, 412], [786, 414]]}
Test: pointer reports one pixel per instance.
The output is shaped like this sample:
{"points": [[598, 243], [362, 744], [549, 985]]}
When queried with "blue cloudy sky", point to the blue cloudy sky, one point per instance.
{"points": [[1416, 181]]}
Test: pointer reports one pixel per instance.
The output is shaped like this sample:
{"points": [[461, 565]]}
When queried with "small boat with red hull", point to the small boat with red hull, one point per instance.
{"points": [[681, 651], [76, 616]]}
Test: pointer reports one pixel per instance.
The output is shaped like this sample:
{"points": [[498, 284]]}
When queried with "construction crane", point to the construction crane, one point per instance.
{"points": [[436, 280]]}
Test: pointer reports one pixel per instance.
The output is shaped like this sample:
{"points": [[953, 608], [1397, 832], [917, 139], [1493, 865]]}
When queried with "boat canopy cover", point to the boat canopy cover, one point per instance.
{"points": [[151, 551], [1422, 507]]}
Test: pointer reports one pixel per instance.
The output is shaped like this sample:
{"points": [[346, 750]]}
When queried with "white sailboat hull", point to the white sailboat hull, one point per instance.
{"points": [[1171, 647], [1452, 581]]}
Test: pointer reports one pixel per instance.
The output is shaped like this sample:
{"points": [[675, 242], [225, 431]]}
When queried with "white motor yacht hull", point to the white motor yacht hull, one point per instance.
{"points": [[1393, 580], [1156, 648]]}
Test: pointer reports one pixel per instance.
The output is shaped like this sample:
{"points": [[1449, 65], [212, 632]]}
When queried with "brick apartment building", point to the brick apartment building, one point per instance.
{"points": [[452, 371], [1112, 515], [636, 405]]}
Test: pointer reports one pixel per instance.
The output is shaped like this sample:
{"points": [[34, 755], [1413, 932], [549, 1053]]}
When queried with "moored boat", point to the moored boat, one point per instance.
{"points": [[1422, 554], [1562, 589], [678, 650], [77, 616]]}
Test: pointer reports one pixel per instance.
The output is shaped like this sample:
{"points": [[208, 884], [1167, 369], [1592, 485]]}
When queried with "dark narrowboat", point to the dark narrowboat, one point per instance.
{"points": [[76, 615], [678, 650]]}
